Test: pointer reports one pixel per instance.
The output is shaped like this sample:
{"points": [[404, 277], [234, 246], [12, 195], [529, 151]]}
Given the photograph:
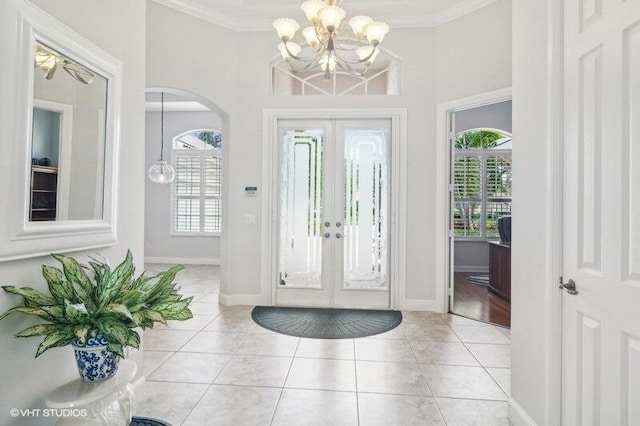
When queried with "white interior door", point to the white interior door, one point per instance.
{"points": [[333, 247], [601, 323]]}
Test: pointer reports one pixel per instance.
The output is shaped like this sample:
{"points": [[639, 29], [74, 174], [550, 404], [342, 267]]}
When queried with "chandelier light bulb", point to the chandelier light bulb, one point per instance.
{"points": [[375, 31], [357, 24], [162, 172], [286, 28], [363, 52], [311, 9], [310, 35], [294, 48], [331, 16]]}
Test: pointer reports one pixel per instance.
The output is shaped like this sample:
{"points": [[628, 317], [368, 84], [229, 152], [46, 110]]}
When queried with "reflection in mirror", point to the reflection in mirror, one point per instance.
{"points": [[68, 139]]}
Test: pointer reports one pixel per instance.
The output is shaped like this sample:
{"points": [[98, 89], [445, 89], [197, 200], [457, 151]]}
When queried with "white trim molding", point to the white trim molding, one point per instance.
{"points": [[398, 117], [183, 260], [240, 299], [443, 164], [252, 22]]}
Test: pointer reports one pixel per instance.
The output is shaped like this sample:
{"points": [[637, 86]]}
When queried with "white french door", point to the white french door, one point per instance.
{"points": [[601, 315], [333, 222]]}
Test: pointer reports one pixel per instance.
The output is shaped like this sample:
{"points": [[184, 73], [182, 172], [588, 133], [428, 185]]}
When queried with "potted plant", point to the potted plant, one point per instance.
{"points": [[96, 310]]}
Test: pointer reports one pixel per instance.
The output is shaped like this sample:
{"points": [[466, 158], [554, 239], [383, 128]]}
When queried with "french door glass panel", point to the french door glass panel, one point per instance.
{"points": [[301, 208], [366, 208], [333, 212]]}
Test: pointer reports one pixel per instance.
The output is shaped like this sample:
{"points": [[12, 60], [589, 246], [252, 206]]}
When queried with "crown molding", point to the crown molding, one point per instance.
{"points": [[256, 24]]}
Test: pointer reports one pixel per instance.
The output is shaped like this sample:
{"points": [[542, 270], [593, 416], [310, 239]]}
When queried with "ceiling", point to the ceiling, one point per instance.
{"points": [[257, 15]]}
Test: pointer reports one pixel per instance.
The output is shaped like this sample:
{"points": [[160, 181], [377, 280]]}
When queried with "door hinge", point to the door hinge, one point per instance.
{"points": [[451, 233], [450, 291], [451, 187]]}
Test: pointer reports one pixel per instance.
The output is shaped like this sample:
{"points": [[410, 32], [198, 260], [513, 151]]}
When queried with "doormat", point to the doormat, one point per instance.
{"points": [[147, 421], [320, 323]]}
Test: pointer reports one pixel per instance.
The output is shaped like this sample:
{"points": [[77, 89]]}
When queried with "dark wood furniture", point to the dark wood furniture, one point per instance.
{"points": [[44, 193], [500, 269]]}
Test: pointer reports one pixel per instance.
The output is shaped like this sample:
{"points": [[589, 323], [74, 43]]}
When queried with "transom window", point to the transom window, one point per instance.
{"points": [[481, 183], [197, 189]]}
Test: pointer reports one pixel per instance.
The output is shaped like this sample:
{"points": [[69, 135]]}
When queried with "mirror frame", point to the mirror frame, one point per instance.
{"points": [[32, 239]]}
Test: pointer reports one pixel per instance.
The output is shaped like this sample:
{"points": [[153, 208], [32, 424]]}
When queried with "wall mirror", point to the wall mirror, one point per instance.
{"points": [[65, 149]]}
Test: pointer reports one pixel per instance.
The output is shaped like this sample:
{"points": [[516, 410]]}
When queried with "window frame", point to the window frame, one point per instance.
{"points": [[202, 154], [482, 154]]}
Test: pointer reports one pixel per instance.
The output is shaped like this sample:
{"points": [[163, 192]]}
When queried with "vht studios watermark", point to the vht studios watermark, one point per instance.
{"points": [[48, 412]]}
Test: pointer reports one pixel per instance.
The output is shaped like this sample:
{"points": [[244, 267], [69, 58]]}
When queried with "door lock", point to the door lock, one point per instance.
{"points": [[327, 234], [338, 224], [338, 235], [569, 287], [327, 224]]}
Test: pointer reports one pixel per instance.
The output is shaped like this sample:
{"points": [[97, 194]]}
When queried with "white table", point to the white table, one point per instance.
{"points": [[103, 403]]}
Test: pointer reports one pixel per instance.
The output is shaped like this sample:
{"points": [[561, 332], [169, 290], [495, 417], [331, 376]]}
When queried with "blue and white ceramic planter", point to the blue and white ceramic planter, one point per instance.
{"points": [[95, 362]]}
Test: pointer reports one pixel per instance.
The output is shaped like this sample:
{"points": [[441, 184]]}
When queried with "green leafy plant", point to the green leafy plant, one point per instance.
{"points": [[106, 302]]}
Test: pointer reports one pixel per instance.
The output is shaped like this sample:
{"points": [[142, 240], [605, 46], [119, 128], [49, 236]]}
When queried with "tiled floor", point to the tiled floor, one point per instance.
{"points": [[220, 368]]}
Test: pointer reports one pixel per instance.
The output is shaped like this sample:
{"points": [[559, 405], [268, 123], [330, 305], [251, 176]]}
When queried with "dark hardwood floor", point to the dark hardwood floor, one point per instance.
{"points": [[476, 302]]}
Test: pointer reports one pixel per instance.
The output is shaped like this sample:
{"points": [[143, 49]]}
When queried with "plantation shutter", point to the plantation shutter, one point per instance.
{"points": [[482, 192], [198, 191]]}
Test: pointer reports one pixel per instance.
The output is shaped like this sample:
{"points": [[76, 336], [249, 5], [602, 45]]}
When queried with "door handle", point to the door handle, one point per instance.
{"points": [[327, 234], [338, 235], [569, 287]]}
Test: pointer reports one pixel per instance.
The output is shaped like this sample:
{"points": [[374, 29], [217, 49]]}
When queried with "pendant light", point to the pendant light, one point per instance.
{"points": [[161, 171]]}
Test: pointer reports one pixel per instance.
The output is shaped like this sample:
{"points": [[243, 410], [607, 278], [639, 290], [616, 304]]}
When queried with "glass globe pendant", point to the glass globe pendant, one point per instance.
{"points": [[161, 171]]}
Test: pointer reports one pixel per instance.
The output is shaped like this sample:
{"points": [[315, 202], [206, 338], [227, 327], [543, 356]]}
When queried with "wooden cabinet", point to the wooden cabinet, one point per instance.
{"points": [[500, 269], [44, 193]]}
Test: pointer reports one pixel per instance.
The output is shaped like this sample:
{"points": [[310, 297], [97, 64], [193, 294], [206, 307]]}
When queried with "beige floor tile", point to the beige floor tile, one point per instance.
{"points": [[214, 342], [229, 323], [166, 340], [191, 368], [433, 332], [460, 320], [448, 353], [171, 402], [210, 298], [491, 355], [461, 382], [391, 377], [153, 359], [502, 376], [463, 412], [255, 371], [393, 350], [313, 407], [423, 317], [322, 374], [268, 344], [480, 334], [202, 308], [326, 348], [235, 405], [385, 410]]}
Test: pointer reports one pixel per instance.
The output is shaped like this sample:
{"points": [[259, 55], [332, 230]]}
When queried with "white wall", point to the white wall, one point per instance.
{"points": [[25, 380], [532, 268], [159, 243], [204, 60], [493, 116]]}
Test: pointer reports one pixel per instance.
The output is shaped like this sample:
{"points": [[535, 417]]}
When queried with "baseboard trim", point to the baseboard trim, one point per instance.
{"points": [[183, 260], [471, 268], [517, 415], [241, 299], [423, 305]]}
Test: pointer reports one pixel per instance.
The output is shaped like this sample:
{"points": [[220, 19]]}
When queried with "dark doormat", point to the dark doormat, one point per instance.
{"points": [[319, 323], [147, 421]]}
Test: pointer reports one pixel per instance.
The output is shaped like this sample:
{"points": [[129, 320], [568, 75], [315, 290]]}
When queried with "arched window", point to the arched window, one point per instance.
{"points": [[481, 182], [380, 79], [197, 189]]}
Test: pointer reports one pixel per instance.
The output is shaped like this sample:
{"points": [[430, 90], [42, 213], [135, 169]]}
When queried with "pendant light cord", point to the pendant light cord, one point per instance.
{"points": [[162, 126]]}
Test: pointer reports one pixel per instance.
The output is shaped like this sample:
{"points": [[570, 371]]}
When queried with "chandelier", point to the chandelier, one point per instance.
{"points": [[328, 48]]}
